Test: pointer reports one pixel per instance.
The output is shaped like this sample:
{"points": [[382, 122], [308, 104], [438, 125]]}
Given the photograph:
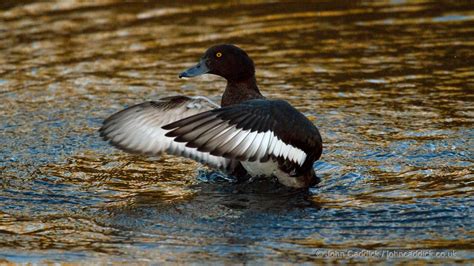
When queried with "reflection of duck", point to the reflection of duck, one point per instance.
{"points": [[248, 135]]}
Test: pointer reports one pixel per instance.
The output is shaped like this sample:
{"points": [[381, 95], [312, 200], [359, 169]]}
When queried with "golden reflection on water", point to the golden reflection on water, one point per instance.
{"points": [[389, 84]]}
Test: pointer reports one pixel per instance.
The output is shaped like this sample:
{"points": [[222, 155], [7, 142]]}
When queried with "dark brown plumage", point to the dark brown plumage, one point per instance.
{"points": [[248, 135]]}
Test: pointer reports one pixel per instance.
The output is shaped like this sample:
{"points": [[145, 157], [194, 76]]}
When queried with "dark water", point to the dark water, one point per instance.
{"points": [[389, 84]]}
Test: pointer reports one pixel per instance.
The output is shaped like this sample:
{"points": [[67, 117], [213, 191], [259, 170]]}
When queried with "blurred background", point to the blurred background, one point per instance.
{"points": [[388, 83]]}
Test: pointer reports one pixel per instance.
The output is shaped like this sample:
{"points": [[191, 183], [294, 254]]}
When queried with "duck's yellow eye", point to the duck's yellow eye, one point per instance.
{"points": [[219, 54]]}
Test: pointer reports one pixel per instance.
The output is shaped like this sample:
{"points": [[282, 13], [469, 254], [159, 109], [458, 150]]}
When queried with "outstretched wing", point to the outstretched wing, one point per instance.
{"points": [[138, 129], [250, 131]]}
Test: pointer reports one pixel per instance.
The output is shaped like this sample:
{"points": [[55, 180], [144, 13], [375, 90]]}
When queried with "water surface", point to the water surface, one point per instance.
{"points": [[388, 83]]}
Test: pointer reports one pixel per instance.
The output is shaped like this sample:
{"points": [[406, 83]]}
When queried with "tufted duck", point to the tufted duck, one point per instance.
{"points": [[247, 136]]}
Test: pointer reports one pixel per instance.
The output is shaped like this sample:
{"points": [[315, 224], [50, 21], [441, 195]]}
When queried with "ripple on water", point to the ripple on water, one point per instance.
{"points": [[387, 83]]}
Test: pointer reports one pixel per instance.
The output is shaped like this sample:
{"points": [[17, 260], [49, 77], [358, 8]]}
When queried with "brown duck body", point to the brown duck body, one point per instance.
{"points": [[248, 136]]}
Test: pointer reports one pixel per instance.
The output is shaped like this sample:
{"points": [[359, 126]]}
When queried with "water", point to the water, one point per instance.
{"points": [[388, 83]]}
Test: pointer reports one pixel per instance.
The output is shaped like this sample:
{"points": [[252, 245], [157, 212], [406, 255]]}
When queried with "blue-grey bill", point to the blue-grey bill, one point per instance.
{"points": [[196, 70]]}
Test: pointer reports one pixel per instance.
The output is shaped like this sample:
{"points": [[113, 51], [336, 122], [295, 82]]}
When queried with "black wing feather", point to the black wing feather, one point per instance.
{"points": [[259, 115]]}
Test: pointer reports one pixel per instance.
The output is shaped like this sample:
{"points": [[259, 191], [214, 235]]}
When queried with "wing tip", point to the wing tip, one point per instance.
{"points": [[169, 126], [115, 128], [102, 133]]}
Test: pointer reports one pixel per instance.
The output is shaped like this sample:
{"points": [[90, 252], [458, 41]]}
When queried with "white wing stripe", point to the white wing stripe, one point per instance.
{"points": [[234, 139], [245, 144], [274, 141], [212, 133], [223, 131], [263, 147], [278, 148], [252, 144], [255, 145]]}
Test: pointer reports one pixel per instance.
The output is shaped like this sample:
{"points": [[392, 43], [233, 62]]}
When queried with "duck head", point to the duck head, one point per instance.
{"points": [[225, 60]]}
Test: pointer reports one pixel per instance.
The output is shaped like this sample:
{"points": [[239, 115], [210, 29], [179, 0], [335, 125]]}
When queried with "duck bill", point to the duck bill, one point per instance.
{"points": [[199, 69]]}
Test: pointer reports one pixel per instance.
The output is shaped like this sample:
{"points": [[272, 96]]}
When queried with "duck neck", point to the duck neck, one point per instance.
{"points": [[239, 91]]}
